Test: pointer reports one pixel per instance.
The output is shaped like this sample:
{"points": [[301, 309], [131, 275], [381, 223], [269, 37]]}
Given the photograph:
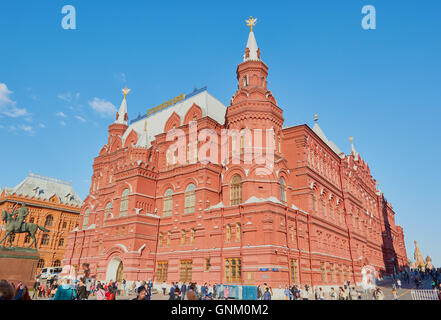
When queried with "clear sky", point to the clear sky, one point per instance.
{"points": [[59, 88]]}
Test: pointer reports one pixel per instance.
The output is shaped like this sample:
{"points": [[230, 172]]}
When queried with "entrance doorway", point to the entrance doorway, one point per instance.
{"points": [[115, 270]]}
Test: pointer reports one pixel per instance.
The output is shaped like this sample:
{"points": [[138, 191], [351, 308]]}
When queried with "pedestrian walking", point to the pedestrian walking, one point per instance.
{"points": [[322, 294], [333, 295], [267, 294], [394, 294], [191, 293], [65, 291], [183, 290], [36, 289], [164, 287], [100, 292], [82, 291]]}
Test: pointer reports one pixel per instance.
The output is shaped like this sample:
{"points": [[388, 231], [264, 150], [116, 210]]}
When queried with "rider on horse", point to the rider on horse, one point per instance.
{"points": [[22, 214]]}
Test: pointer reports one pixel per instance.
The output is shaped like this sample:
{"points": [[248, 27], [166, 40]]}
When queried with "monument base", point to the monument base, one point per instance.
{"points": [[18, 264]]}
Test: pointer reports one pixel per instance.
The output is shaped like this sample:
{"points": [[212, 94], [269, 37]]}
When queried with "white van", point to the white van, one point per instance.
{"points": [[50, 272]]}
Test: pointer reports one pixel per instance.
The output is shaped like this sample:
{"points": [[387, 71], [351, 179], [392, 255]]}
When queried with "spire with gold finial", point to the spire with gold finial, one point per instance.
{"points": [[121, 116], [316, 117], [353, 151], [252, 51]]}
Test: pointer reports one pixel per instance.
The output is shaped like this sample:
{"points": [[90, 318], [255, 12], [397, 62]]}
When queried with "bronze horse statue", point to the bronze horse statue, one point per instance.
{"points": [[13, 227]]}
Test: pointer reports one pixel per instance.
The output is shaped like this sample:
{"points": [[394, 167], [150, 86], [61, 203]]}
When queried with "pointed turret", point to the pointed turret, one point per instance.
{"points": [[143, 141], [120, 125], [252, 51], [121, 115], [353, 151], [252, 94]]}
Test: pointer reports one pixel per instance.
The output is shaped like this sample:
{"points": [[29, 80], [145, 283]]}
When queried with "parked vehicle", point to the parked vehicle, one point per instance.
{"points": [[50, 273]]}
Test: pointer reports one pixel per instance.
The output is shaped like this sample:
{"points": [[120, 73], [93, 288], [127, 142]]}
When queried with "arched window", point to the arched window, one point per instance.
{"points": [[236, 190], [45, 239], [61, 242], [108, 213], [49, 221], [238, 232], [168, 203], [86, 218], [57, 263], [282, 190], [40, 263], [124, 207], [228, 235], [190, 199], [31, 220]]}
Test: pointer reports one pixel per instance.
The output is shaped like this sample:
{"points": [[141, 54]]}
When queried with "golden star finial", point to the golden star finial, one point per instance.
{"points": [[251, 22], [351, 139], [125, 91], [315, 117]]}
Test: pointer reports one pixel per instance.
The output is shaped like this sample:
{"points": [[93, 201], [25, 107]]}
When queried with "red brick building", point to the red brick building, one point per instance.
{"points": [[316, 216], [52, 203]]}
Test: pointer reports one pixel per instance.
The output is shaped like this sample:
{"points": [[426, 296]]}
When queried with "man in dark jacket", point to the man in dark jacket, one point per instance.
{"points": [[172, 289], [183, 290]]}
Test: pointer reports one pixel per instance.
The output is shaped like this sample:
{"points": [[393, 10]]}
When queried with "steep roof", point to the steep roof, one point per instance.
{"points": [[209, 105], [318, 131], [252, 46], [44, 188]]}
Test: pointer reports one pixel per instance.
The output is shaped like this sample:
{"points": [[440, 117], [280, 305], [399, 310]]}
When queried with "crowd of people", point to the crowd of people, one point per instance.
{"points": [[83, 289]]}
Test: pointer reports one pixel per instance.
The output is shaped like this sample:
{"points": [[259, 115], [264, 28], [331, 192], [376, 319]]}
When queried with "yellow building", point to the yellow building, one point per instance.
{"points": [[52, 203]]}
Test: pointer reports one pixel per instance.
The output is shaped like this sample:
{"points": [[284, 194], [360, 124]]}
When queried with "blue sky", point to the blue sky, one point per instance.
{"points": [[59, 88]]}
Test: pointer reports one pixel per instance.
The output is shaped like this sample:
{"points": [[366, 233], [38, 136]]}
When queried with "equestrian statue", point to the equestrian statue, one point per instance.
{"points": [[18, 225]]}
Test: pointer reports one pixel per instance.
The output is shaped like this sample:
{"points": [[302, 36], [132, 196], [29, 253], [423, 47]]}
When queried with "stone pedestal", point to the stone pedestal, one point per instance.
{"points": [[18, 264]]}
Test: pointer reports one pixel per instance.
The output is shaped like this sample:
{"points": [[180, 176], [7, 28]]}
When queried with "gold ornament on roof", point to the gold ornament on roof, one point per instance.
{"points": [[125, 91], [251, 22], [351, 139], [315, 117]]}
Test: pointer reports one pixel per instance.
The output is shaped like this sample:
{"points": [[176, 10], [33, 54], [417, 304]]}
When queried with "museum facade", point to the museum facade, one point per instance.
{"points": [[167, 202]]}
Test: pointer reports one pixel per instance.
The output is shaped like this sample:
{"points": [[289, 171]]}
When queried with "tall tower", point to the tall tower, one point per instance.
{"points": [[253, 105]]}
